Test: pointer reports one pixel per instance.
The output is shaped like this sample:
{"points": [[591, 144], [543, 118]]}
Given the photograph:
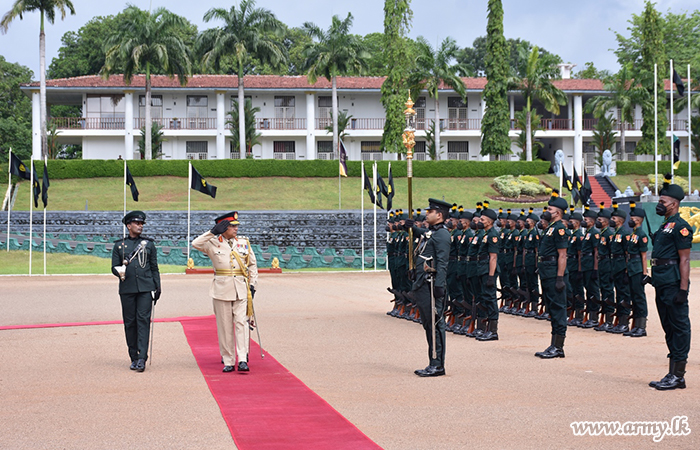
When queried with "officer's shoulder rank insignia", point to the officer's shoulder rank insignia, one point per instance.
{"points": [[562, 232], [495, 239], [685, 232]]}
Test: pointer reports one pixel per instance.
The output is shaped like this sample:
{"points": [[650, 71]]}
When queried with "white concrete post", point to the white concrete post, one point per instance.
{"points": [[36, 125], [311, 127], [578, 131], [129, 125], [570, 110], [220, 125]]}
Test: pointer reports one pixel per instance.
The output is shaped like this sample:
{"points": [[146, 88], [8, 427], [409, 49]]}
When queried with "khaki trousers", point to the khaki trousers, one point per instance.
{"points": [[232, 329]]}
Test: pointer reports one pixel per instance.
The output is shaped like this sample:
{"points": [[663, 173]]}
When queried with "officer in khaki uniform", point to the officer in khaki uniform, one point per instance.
{"points": [[135, 262], [233, 287]]}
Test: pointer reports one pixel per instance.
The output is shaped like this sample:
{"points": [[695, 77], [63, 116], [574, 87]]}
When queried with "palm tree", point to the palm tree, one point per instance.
{"points": [[245, 35], [333, 53], [251, 134], [433, 68], [148, 41], [604, 137], [157, 140], [537, 85], [521, 140], [343, 122], [47, 9], [624, 95]]}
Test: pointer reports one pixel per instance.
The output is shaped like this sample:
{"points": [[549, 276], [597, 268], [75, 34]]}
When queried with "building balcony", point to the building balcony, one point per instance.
{"points": [[354, 124], [279, 124]]}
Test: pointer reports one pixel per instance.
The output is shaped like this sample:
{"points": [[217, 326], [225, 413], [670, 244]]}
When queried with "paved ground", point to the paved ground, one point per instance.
{"points": [[71, 387]]}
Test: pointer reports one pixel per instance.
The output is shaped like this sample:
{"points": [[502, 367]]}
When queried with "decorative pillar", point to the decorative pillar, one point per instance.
{"points": [[570, 113], [129, 125], [578, 129], [36, 125], [220, 125], [311, 127]]}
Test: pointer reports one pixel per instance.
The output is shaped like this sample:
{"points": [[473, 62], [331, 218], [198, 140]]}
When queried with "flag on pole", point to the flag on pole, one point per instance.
{"points": [[676, 151], [36, 188], [45, 186], [381, 189], [132, 184], [586, 189], [678, 81], [18, 168], [366, 185], [567, 180], [200, 184], [390, 188], [342, 158]]}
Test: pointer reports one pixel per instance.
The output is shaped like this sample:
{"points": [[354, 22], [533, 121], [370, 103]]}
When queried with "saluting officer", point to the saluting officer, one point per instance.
{"points": [[607, 292], [637, 271], [589, 267], [135, 262], [670, 272], [487, 269], [552, 267], [432, 254], [618, 255]]}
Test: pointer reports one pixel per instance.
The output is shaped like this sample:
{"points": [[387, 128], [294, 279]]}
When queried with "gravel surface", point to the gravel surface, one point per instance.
{"points": [[71, 387]]}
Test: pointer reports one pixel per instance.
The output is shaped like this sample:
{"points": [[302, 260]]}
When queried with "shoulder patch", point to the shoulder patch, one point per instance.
{"points": [[562, 232], [495, 239], [597, 236], [685, 232], [644, 239]]}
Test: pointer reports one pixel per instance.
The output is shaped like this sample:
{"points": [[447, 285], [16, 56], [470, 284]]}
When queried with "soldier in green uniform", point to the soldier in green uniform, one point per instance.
{"points": [[135, 263], [530, 245], [509, 261], [504, 275], [391, 261], [621, 281], [607, 293], [589, 267], [518, 268], [637, 271], [431, 260], [670, 272], [454, 288], [465, 219], [573, 265], [487, 270], [552, 267], [542, 225], [478, 316]]}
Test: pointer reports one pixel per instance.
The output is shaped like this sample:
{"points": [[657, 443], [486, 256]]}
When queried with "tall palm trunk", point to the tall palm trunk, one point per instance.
{"points": [[147, 128], [437, 127], [42, 86], [528, 131], [334, 104], [241, 116]]}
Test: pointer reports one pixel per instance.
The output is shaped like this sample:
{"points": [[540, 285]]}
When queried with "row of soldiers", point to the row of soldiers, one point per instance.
{"points": [[606, 268]]}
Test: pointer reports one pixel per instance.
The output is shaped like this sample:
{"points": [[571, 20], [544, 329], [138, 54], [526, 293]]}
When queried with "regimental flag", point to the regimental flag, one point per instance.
{"points": [[390, 189], [577, 187], [678, 81], [200, 184], [676, 152], [567, 180], [586, 189], [367, 186], [132, 184], [45, 186], [342, 158], [18, 168], [381, 189], [36, 188]]}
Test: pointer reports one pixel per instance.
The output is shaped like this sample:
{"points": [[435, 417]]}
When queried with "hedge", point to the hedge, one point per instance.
{"points": [[233, 168], [647, 167]]}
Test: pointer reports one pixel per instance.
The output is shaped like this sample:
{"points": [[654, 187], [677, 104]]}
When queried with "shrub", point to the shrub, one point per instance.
{"points": [[647, 167], [512, 187], [680, 181]]}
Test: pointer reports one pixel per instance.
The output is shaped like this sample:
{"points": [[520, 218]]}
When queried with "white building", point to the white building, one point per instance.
{"points": [[293, 116]]}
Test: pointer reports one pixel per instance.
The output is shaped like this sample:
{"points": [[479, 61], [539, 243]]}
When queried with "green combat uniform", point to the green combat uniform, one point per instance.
{"points": [[637, 248], [140, 279], [607, 292], [454, 288], [589, 254], [552, 240], [530, 246], [474, 279], [674, 235], [618, 260], [433, 250], [503, 254], [468, 294], [573, 256], [489, 246]]}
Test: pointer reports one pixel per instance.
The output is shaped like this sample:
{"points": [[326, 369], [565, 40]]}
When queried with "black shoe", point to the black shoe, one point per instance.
{"points": [[589, 324], [140, 365], [638, 332], [672, 382], [488, 336], [551, 352], [133, 365], [243, 367], [619, 329], [606, 326], [430, 371], [630, 331], [228, 369]]}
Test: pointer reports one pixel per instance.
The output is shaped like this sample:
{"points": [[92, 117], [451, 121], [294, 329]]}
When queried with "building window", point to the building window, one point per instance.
{"points": [[105, 112], [325, 110], [458, 150], [284, 107], [629, 151], [456, 113], [283, 150], [156, 106], [246, 98], [324, 150], [197, 149], [197, 111], [419, 151], [371, 150]]}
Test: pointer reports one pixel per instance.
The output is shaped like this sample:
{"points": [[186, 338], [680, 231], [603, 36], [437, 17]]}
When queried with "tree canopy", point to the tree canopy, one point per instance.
{"points": [[15, 111]]}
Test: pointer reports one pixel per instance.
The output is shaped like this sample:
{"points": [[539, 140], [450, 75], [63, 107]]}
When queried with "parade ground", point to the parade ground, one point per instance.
{"points": [[66, 384]]}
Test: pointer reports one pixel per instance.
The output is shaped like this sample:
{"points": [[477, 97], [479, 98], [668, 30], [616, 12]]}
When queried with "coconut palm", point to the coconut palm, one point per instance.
{"points": [[333, 53], [521, 140], [343, 122], [47, 9], [148, 42], [623, 95], [434, 67], [537, 85], [245, 35], [251, 134]]}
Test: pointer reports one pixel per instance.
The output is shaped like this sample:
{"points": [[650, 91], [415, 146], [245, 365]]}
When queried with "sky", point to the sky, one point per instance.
{"points": [[578, 31]]}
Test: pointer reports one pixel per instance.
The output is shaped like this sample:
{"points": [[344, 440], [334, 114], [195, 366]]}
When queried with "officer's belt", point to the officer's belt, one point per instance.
{"points": [[664, 262], [526, 251], [572, 256], [602, 257], [505, 250], [480, 257], [462, 258], [587, 254], [616, 256], [229, 272], [631, 257], [453, 258], [547, 258]]}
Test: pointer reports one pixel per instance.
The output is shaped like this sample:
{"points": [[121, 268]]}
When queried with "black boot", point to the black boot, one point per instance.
{"points": [[640, 329], [622, 326], [671, 365], [608, 325], [555, 350], [479, 330], [676, 380], [492, 333], [592, 320]]}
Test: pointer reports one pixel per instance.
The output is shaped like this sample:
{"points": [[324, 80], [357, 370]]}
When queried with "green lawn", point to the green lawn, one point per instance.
{"points": [[17, 262]]}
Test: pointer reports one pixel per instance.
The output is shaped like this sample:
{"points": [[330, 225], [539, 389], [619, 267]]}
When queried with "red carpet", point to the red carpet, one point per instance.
{"points": [[269, 408]]}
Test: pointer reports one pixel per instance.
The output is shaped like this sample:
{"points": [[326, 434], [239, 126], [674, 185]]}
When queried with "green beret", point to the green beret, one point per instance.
{"points": [[671, 190], [618, 212], [558, 202], [490, 213], [635, 211]]}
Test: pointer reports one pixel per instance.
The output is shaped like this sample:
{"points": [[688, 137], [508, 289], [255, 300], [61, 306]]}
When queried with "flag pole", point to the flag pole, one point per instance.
{"points": [[561, 177], [690, 134], [376, 194], [9, 200], [656, 132], [31, 210], [386, 259], [338, 150], [124, 212], [362, 216], [46, 162], [673, 155], [189, 194]]}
